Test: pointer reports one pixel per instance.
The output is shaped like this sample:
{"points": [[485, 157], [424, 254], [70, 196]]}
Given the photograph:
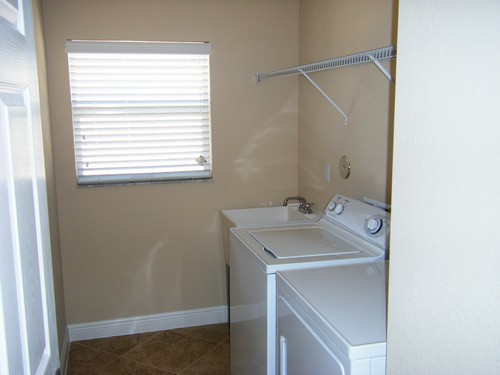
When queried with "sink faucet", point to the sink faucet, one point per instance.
{"points": [[300, 199], [304, 207]]}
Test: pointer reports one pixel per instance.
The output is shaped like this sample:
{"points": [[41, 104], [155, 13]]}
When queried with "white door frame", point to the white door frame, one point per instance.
{"points": [[28, 332]]}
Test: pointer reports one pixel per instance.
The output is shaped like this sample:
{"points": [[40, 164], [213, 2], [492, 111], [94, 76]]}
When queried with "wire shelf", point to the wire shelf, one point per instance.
{"points": [[385, 53], [372, 56]]}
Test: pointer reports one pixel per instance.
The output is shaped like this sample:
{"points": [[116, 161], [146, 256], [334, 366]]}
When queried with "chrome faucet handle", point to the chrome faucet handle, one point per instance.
{"points": [[306, 208]]}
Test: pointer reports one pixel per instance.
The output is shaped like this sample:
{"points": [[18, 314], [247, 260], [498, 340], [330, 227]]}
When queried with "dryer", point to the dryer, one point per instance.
{"points": [[348, 232], [332, 321]]}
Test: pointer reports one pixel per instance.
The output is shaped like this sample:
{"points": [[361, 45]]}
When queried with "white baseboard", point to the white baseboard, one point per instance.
{"points": [[64, 353], [148, 323]]}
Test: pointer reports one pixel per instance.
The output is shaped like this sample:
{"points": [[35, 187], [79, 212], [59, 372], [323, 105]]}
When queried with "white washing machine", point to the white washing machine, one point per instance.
{"points": [[348, 232], [333, 320]]}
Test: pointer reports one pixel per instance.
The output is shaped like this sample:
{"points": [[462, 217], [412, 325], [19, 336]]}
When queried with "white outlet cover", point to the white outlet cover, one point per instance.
{"points": [[326, 173]]}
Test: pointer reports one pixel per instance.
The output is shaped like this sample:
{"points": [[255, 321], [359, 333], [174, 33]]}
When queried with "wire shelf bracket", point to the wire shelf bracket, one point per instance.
{"points": [[372, 56]]}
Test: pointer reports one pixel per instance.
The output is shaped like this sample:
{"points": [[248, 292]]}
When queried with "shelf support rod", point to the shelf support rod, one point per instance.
{"points": [[306, 76], [381, 67]]}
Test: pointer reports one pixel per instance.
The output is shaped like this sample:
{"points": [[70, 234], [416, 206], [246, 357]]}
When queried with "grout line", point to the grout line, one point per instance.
{"points": [[199, 337], [98, 350], [133, 360], [177, 330], [93, 348], [82, 343], [199, 359]]}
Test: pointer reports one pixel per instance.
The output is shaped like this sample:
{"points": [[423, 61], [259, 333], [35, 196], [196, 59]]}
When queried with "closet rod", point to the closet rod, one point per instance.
{"points": [[376, 55]]}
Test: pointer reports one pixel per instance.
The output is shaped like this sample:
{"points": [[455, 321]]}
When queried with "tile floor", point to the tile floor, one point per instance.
{"points": [[187, 351]]}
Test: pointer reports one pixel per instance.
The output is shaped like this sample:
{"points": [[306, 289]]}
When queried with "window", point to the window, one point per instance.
{"points": [[141, 111]]}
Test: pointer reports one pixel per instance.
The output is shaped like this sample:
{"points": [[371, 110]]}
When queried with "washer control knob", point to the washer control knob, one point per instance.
{"points": [[339, 208], [331, 205], [374, 225]]}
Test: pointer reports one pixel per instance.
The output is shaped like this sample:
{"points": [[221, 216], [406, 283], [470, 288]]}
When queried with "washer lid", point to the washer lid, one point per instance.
{"points": [[302, 242]]}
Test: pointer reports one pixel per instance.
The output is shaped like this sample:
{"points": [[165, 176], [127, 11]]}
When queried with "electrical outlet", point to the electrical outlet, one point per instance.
{"points": [[326, 173]]}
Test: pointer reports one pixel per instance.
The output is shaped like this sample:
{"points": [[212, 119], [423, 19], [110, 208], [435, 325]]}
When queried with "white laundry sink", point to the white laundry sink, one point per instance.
{"points": [[261, 216], [266, 215]]}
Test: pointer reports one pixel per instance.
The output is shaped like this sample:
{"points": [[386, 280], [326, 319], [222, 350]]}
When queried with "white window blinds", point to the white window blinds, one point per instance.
{"points": [[141, 111]]}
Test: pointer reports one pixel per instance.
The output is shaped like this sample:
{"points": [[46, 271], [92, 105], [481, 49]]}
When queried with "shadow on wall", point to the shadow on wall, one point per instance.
{"points": [[260, 151], [144, 280]]}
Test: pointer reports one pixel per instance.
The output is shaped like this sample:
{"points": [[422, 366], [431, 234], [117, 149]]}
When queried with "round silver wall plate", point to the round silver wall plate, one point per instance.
{"points": [[344, 167]]}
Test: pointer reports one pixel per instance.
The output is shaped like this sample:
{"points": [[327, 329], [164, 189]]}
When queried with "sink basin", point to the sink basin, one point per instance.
{"points": [[266, 215], [261, 216]]}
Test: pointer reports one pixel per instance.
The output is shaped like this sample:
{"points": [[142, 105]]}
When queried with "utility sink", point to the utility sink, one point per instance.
{"points": [[261, 216], [266, 215]]}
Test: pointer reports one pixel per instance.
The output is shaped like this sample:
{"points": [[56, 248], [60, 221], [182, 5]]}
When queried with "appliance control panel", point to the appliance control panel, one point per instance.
{"points": [[360, 218]]}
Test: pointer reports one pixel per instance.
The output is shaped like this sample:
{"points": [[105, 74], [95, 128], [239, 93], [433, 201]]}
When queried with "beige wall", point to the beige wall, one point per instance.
{"points": [[331, 29], [145, 249], [50, 178]]}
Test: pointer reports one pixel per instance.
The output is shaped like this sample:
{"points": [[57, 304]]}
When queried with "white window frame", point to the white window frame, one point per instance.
{"points": [[124, 133]]}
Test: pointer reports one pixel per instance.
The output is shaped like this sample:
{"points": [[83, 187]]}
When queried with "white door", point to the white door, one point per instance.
{"points": [[28, 337]]}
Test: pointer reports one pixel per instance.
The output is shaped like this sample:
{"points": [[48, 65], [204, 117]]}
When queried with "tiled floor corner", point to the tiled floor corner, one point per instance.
{"points": [[200, 350]]}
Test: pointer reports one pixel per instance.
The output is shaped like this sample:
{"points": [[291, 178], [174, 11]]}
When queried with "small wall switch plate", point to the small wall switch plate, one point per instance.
{"points": [[326, 173]]}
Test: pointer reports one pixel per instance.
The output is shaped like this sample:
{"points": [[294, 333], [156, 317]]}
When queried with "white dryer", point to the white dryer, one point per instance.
{"points": [[332, 321], [348, 232]]}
